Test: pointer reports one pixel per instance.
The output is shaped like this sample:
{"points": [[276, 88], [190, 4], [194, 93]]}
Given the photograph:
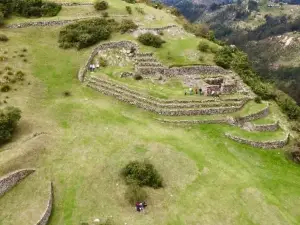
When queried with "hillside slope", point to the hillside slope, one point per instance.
{"points": [[81, 125]]}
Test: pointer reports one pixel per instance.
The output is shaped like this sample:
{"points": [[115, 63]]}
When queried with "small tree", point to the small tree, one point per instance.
{"points": [[8, 122], [203, 46], [100, 5], [3, 37], [142, 174], [127, 25], [150, 39], [128, 9]]}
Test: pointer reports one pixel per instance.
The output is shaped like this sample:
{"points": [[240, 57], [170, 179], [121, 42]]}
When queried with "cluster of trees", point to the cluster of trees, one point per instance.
{"points": [[83, 34], [229, 57], [9, 118], [28, 8]]}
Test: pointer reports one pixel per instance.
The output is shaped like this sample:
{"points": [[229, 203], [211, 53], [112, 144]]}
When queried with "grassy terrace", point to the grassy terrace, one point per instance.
{"points": [[209, 179]]}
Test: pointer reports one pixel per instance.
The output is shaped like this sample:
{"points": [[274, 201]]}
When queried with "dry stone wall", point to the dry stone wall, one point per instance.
{"points": [[260, 144], [263, 113], [9, 181], [109, 45], [46, 215], [43, 23], [76, 3], [263, 127]]}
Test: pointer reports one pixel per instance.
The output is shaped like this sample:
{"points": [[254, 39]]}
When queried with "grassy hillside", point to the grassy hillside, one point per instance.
{"points": [[82, 141]]}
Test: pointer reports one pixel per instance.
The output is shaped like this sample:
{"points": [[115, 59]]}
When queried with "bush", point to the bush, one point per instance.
{"points": [[128, 9], [200, 30], [137, 76], [3, 38], [135, 193], [100, 5], [150, 39], [8, 121], [103, 62], [203, 46], [257, 99], [127, 25], [86, 33], [5, 88], [174, 11], [130, 1], [224, 57], [105, 14], [140, 10], [142, 174]]}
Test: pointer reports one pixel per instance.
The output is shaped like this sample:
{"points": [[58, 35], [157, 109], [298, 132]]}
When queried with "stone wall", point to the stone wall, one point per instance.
{"points": [[42, 23], [76, 3], [260, 144], [46, 215], [158, 29], [182, 71], [193, 122], [9, 181], [263, 127], [263, 113], [109, 45]]}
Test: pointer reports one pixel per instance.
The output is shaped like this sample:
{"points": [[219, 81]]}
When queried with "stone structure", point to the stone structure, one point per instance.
{"points": [[159, 107], [260, 144], [255, 116], [109, 45], [43, 23], [46, 215], [262, 127], [76, 3], [9, 181]]}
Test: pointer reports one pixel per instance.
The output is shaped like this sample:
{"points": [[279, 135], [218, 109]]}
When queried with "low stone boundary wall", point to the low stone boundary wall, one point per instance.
{"points": [[76, 3], [181, 71], [260, 144], [262, 113], [263, 127], [9, 181], [158, 29], [46, 215], [42, 23], [109, 45], [192, 122]]}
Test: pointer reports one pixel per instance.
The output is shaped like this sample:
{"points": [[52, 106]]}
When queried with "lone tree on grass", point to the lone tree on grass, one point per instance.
{"points": [[100, 5], [8, 122], [150, 39]]}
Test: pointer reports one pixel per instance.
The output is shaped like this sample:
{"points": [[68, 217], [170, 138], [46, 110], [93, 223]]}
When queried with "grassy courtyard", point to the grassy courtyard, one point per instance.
{"points": [[89, 137]]}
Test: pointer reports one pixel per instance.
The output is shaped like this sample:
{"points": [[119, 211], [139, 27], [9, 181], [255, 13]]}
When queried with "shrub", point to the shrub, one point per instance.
{"points": [[10, 73], [199, 30], [105, 14], [257, 99], [100, 5], [66, 93], [174, 11], [5, 88], [140, 10], [203, 46], [103, 62], [150, 39], [135, 193], [3, 38], [127, 25], [86, 33], [130, 1], [8, 121], [142, 174], [128, 9], [137, 76], [161, 33]]}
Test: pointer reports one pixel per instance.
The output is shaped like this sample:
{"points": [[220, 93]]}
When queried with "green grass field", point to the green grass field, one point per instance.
{"points": [[89, 137]]}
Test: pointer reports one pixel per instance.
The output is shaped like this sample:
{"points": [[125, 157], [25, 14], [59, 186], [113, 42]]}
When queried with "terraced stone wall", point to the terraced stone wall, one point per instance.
{"points": [[266, 127], [158, 29], [110, 45], [255, 116], [9, 181], [46, 215], [41, 23], [260, 144]]}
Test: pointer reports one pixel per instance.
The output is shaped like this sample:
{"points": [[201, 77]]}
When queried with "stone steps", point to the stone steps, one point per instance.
{"points": [[147, 64], [162, 103]]}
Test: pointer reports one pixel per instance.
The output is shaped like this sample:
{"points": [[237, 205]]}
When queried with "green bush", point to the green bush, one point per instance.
{"points": [[150, 39], [224, 57], [257, 99], [8, 121], [86, 33], [128, 9], [105, 14], [130, 1], [203, 46], [5, 88], [3, 38], [127, 25], [103, 62], [100, 5], [135, 193], [174, 11], [140, 10], [138, 76], [142, 174]]}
